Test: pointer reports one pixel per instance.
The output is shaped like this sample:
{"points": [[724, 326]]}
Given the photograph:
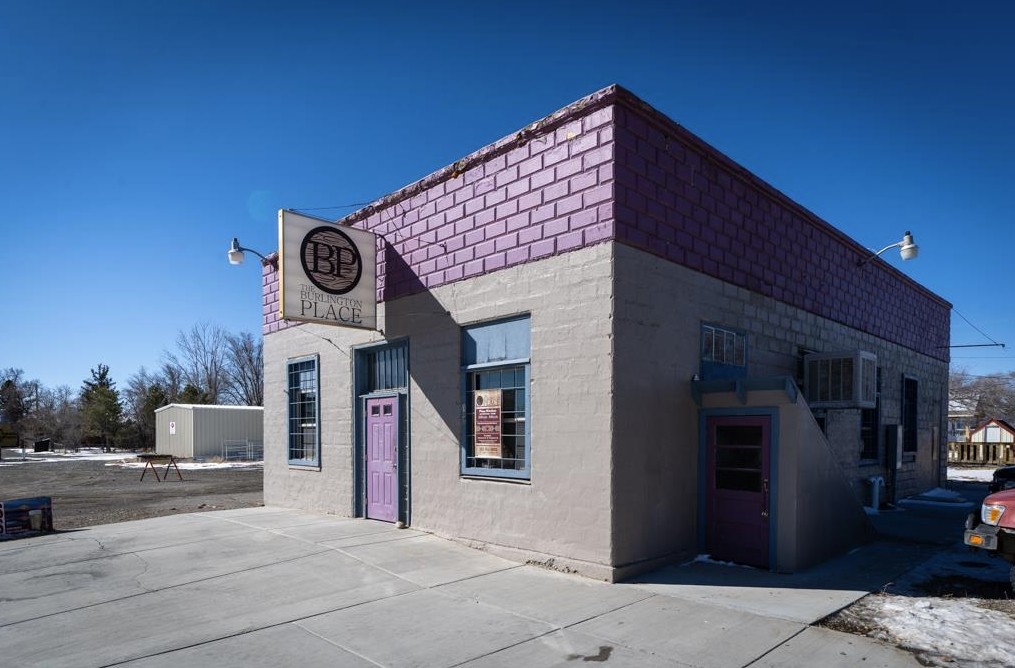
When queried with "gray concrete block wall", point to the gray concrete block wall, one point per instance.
{"points": [[659, 309], [562, 515], [329, 489], [655, 476]]}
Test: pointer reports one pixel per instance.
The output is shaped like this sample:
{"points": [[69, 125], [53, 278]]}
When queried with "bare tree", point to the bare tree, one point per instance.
{"points": [[144, 394], [201, 359], [55, 415], [246, 369], [987, 397], [171, 377]]}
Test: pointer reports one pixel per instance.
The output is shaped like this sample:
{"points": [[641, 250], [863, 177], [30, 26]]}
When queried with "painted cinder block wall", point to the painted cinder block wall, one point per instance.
{"points": [[608, 168], [658, 310], [562, 518]]}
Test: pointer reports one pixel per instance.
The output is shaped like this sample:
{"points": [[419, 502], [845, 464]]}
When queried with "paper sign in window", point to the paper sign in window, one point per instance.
{"points": [[487, 411]]}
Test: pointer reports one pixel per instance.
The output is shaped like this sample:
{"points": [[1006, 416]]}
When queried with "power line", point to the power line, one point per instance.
{"points": [[325, 208], [992, 341]]}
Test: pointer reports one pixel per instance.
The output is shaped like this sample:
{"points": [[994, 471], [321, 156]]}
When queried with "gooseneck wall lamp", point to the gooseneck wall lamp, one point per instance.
{"points": [[907, 249], [236, 252]]}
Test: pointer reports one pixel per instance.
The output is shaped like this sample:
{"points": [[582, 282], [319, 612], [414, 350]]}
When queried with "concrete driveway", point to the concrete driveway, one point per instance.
{"points": [[272, 587]]}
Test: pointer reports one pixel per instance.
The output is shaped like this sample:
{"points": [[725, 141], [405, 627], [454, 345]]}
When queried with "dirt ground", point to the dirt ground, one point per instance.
{"points": [[88, 492]]}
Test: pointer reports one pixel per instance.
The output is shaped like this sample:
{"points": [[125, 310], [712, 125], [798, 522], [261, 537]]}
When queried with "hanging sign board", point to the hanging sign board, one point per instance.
{"points": [[327, 272], [487, 412]]}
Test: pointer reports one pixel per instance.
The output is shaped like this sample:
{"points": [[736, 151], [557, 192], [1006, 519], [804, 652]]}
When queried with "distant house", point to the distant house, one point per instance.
{"points": [[961, 420], [201, 432], [990, 443]]}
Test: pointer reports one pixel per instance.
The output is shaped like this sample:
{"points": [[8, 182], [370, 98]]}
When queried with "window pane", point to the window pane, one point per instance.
{"points": [[748, 434], [723, 346], [510, 381], [739, 458], [303, 411], [742, 481]]}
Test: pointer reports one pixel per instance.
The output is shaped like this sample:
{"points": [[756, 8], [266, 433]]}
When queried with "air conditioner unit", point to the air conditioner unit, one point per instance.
{"points": [[841, 380]]}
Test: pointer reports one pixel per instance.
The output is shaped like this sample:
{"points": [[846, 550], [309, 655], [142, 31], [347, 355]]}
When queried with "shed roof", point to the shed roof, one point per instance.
{"points": [[221, 407]]}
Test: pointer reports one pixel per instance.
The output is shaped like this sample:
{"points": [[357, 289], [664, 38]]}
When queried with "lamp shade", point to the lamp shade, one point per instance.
{"points": [[908, 250], [235, 253]]}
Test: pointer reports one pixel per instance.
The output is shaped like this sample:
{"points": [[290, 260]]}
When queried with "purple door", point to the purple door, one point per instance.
{"points": [[737, 489], [382, 459]]}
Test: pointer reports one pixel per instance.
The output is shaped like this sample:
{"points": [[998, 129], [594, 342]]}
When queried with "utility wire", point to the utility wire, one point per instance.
{"points": [[992, 341], [324, 208]]}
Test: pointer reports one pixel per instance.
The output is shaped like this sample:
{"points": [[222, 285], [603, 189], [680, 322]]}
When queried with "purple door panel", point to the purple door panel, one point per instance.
{"points": [[382, 459]]}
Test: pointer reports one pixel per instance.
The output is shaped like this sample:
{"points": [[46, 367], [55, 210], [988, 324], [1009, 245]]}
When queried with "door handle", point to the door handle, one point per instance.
{"points": [[764, 497]]}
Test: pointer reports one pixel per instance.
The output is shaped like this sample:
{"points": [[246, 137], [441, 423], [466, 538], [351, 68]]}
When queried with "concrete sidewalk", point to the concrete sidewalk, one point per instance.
{"points": [[273, 587]]}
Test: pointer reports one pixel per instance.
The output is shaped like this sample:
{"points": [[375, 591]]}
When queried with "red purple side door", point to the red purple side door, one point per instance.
{"points": [[737, 489]]}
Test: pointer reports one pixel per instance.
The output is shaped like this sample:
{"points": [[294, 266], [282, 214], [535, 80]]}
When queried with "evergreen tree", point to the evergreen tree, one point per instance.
{"points": [[101, 411]]}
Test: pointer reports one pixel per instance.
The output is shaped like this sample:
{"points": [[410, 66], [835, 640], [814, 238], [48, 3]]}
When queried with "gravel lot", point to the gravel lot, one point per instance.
{"points": [[87, 492]]}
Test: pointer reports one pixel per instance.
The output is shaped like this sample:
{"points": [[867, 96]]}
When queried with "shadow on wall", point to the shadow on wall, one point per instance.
{"points": [[434, 339]]}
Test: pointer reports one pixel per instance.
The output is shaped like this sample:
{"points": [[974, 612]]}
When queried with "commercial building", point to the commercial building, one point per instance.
{"points": [[601, 345]]}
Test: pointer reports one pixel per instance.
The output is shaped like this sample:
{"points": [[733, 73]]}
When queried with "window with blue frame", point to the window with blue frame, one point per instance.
{"points": [[304, 408], [723, 353], [495, 369]]}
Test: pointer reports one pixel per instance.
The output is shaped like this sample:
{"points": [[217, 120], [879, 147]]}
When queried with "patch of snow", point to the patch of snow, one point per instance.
{"points": [[970, 475], [124, 459], [13, 457], [191, 466], [954, 629], [707, 559]]}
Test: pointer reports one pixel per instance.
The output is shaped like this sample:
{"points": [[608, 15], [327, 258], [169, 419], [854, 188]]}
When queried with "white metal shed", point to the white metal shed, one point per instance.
{"points": [[203, 431]]}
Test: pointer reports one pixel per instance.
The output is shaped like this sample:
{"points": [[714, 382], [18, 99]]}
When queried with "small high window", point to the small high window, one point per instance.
{"points": [[723, 353]]}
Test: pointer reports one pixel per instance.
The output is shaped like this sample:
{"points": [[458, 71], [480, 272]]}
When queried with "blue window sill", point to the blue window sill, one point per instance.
{"points": [[484, 474]]}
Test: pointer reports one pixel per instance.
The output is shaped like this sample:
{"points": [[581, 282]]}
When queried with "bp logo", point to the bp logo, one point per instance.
{"points": [[331, 260]]}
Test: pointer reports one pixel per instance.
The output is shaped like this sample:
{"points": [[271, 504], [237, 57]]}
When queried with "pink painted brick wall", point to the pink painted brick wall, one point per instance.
{"points": [[544, 191], [527, 198], [680, 199]]}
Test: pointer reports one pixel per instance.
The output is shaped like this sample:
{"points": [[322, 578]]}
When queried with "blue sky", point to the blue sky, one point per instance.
{"points": [[140, 137]]}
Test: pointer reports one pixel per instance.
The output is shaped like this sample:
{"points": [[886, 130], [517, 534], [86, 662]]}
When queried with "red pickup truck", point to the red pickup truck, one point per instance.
{"points": [[994, 528]]}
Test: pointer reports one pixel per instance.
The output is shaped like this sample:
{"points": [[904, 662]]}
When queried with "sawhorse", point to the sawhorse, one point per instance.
{"points": [[168, 460]]}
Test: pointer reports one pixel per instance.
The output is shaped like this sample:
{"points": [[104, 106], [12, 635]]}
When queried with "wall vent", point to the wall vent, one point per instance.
{"points": [[841, 380]]}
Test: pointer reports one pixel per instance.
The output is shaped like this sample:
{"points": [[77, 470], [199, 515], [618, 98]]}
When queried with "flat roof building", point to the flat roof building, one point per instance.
{"points": [[601, 345]]}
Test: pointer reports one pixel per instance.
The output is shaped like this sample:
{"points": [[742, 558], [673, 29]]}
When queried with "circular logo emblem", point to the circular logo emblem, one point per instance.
{"points": [[331, 260]]}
